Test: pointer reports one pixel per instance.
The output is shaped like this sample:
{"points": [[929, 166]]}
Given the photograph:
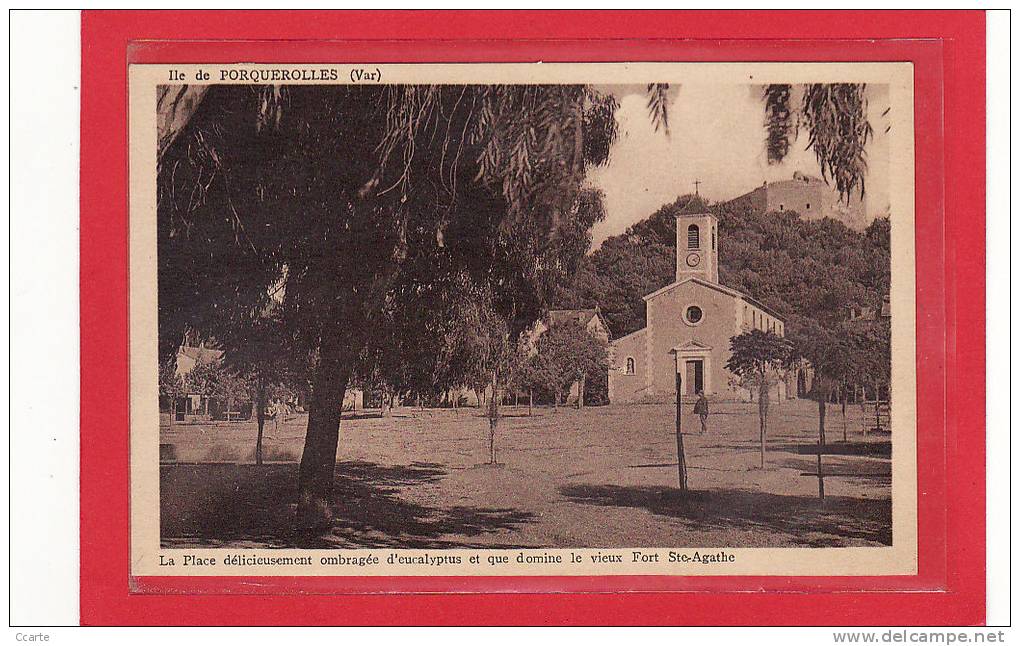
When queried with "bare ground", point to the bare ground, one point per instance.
{"points": [[599, 477]]}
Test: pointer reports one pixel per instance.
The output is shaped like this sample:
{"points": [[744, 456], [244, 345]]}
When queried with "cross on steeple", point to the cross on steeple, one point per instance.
{"points": [[697, 183]]}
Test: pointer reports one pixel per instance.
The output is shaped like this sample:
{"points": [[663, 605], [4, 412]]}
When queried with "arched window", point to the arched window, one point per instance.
{"points": [[693, 237], [630, 365]]}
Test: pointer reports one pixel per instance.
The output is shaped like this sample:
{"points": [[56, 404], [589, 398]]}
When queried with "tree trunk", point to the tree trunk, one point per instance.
{"points": [[878, 416], [763, 416], [531, 399], [260, 415], [318, 461], [493, 419], [821, 446], [580, 393], [821, 420], [843, 406]]}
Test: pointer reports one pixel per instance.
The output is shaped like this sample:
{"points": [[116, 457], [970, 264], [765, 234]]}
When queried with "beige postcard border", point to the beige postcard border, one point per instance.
{"points": [[145, 552]]}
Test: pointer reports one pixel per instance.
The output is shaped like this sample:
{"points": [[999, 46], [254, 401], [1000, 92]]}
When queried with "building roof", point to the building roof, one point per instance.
{"points": [[692, 344], [579, 316], [582, 317], [722, 288], [200, 353], [867, 313]]}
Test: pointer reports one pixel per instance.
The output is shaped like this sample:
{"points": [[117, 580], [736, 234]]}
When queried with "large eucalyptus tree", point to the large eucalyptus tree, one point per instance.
{"points": [[340, 208]]}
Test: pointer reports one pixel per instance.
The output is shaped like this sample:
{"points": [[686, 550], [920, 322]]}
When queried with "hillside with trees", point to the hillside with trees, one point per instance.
{"points": [[811, 273]]}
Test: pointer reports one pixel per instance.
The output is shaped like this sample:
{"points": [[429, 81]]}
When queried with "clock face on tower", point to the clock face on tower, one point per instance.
{"points": [[693, 259]]}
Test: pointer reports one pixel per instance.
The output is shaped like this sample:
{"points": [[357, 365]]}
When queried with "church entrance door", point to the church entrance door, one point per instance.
{"points": [[695, 378]]}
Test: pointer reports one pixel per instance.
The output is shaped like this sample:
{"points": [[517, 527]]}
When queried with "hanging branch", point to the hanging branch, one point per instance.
{"points": [[658, 109], [836, 118], [780, 123]]}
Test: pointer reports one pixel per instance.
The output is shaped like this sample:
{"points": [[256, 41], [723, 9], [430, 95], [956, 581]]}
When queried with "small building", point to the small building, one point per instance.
{"points": [[864, 315], [688, 327], [195, 405], [189, 356], [590, 319], [811, 197]]}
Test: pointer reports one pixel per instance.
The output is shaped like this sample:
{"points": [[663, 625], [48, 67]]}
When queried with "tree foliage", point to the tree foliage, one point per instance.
{"points": [[760, 354], [835, 116], [761, 358], [566, 354], [352, 211], [171, 386], [780, 122]]}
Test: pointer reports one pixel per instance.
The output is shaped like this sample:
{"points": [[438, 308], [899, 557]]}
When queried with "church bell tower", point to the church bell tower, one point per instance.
{"points": [[697, 247]]}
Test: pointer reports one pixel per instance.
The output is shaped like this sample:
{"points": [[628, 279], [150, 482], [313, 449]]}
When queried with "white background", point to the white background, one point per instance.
{"points": [[42, 244]]}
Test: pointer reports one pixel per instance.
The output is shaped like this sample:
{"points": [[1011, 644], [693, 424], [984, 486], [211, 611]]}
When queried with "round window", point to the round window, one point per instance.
{"points": [[694, 314]]}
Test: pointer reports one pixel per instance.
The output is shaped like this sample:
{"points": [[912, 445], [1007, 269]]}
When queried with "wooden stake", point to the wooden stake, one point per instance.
{"points": [[681, 460]]}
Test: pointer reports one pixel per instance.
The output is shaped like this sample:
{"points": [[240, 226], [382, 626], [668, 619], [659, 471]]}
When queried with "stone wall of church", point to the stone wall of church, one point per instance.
{"points": [[626, 386], [667, 329]]}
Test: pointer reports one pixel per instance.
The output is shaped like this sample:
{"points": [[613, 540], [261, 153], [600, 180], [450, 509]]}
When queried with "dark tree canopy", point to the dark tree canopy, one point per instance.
{"points": [[809, 272], [321, 198], [756, 353], [362, 217]]}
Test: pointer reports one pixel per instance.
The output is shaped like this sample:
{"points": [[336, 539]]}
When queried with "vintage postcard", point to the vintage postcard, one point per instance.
{"points": [[522, 319]]}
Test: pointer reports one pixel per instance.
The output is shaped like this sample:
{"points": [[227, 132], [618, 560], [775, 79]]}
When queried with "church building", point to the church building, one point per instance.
{"points": [[688, 327]]}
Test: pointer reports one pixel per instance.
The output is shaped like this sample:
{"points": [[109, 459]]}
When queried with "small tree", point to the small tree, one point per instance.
{"points": [[567, 354], [265, 363], [760, 358], [874, 362], [206, 379], [171, 386]]}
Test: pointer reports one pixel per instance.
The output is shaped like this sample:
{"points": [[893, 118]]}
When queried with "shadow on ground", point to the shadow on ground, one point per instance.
{"points": [[877, 449], [213, 505], [805, 520]]}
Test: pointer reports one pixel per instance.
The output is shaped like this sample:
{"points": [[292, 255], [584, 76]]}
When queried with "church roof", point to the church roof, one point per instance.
{"points": [[627, 336], [580, 316], [200, 353], [716, 286]]}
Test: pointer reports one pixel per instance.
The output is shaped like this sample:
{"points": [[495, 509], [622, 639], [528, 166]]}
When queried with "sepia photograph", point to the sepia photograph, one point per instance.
{"points": [[521, 316], [674, 319]]}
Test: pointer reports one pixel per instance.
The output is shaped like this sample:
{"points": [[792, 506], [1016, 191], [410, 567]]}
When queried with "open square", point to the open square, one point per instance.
{"points": [[596, 477]]}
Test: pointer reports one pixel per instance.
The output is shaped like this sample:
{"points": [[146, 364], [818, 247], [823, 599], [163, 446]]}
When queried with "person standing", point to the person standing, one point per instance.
{"points": [[701, 410]]}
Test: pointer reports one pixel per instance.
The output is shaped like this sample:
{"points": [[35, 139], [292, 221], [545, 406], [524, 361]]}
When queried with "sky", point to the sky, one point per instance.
{"points": [[716, 137]]}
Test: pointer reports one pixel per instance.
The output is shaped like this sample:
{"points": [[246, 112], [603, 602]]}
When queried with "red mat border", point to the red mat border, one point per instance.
{"points": [[949, 68]]}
